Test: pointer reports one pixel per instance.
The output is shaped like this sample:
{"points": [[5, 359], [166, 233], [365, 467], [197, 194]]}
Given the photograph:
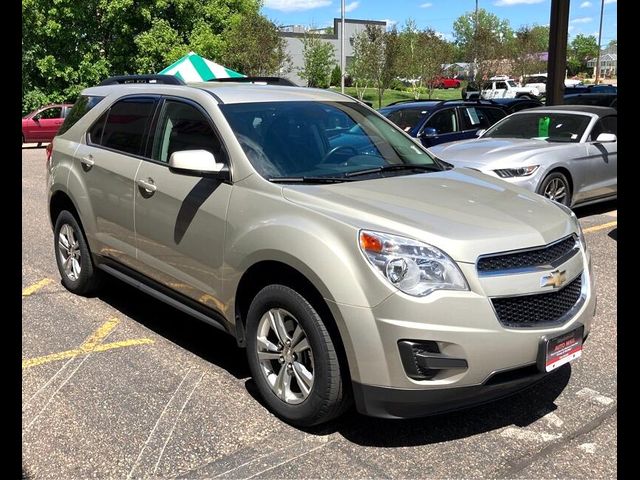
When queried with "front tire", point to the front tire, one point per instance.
{"points": [[73, 256], [293, 359], [556, 187]]}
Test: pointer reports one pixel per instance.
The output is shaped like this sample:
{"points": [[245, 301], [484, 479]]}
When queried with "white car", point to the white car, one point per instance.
{"points": [[539, 81], [504, 87]]}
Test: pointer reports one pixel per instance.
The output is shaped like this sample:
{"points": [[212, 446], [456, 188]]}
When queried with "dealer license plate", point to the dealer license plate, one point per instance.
{"points": [[562, 349]]}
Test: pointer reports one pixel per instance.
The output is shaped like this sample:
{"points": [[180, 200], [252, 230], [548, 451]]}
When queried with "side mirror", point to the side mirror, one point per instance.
{"points": [[200, 163], [606, 138], [480, 132], [36, 118], [429, 132]]}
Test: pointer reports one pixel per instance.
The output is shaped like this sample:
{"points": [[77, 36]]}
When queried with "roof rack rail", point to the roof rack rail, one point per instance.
{"points": [[260, 80], [162, 79]]}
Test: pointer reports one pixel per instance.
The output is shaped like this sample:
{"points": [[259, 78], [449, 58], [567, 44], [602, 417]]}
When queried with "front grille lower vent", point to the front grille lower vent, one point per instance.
{"points": [[538, 309], [537, 257]]}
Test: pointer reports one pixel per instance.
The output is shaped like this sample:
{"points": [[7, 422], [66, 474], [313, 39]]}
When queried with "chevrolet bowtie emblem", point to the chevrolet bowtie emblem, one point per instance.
{"points": [[555, 279]]}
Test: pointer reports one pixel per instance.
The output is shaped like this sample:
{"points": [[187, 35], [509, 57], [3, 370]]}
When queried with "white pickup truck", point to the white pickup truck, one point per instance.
{"points": [[505, 87]]}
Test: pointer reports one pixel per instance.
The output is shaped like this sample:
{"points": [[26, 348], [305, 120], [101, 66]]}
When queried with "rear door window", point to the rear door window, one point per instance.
{"points": [[443, 121], [125, 125]]}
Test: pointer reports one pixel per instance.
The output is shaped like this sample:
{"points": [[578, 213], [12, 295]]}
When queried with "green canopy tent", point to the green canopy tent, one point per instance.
{"points": [[193, 68]]}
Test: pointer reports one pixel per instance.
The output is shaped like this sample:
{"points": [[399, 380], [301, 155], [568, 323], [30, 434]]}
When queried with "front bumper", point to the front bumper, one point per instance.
{"points": [[463, 325]]}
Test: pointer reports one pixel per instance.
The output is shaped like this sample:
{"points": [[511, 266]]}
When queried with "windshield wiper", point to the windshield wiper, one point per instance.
{"points": [[308, 179], [392, 168]]}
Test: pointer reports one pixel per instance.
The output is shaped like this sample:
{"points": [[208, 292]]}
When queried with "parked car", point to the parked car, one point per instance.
{"points": [[499, 87], [512, 105], [600, 88], [599, 99], [346, 260], [42, 124], [567, 153], [539, 81], [442, 82], [439, 121]]}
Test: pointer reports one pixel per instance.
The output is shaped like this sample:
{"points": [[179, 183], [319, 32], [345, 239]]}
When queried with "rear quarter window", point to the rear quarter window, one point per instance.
{"points": [[79, 110]]}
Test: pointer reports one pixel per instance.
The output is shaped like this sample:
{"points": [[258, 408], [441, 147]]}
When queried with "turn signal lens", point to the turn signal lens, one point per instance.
{"points": [[370, 243]]}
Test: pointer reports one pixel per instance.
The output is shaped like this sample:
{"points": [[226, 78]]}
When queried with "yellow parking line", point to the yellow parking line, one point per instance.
{"points": [[600, 227], [31, 289], [99, 335], [92, 344]]}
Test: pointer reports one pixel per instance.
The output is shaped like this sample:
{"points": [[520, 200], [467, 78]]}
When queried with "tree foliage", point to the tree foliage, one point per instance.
{"points": [[484, 41], [525, 46], [68, 45], [253, 47], [581, 49], [318, 61]]}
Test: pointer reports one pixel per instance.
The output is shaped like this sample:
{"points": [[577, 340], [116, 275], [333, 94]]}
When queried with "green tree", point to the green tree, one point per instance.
{"points": [[524, 47], [68, 45], [582, 49], [336, 76], [360, 67], [254, 47], [483, 41], [318, 59]]}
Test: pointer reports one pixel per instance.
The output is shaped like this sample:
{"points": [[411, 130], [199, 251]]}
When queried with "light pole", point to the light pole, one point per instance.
{"points": [[342, 62], [599, 40]]}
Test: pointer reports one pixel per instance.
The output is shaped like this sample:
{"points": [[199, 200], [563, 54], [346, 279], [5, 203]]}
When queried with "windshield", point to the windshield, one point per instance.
{"points": [[549, 126], [319, 139], [406, 118], [511, 83]]}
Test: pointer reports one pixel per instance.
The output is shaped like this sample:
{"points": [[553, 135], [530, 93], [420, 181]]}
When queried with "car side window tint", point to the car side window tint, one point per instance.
{"points": [[183, 127], [491, 114], [407, 118], [126, 124], [501, 85], [605, 125], [55, 112], [443, 121], [476, 118], [95, 133]]}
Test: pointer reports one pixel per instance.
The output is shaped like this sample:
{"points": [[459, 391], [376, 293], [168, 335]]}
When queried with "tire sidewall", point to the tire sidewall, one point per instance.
{"points": [[563, 178], [84, 282], [279, 296]]}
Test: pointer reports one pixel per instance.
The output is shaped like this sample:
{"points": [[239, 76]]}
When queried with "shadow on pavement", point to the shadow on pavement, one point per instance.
{"points": [[596, 208], [613, 234], [220, 349], [199, 338]]}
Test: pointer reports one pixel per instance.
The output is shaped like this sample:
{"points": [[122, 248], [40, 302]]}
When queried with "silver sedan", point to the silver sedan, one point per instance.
{"points": [[567, 153]]}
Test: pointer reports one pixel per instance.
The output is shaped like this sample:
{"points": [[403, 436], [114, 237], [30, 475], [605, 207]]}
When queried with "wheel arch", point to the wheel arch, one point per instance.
{"points": [[565, 172]]}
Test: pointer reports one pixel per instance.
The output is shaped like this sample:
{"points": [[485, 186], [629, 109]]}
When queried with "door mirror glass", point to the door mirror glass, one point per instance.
{"points": [[606, 138], [194, 162]]}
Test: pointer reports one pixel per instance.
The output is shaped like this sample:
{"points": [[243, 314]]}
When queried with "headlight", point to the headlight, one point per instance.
{"points": [[517, 172], [413, 267]]}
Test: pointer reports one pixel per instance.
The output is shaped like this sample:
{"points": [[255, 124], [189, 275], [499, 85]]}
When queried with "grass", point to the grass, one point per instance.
{"points": [[371, 95]]}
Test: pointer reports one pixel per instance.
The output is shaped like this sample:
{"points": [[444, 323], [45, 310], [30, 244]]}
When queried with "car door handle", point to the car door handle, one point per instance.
{"points": [[88, 161], [147, 185]]}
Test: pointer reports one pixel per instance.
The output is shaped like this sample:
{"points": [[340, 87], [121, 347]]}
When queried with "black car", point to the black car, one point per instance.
{"points": [[598, 99], [440, 121], [513, 105]]}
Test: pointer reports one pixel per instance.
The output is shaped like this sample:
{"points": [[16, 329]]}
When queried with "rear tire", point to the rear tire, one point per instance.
{"points": [[555, 186], [293, 359], [73, 256]]}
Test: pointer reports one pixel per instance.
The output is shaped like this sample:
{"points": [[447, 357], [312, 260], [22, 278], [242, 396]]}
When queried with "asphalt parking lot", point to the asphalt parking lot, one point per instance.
{"points": [[122, 386]]}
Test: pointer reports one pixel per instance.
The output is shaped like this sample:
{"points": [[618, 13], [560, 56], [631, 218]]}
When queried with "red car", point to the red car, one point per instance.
{"points": [[42, 124], [442, 82]]}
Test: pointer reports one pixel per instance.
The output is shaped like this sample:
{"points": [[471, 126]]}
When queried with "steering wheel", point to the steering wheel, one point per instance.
{"points": [[334, 150]]}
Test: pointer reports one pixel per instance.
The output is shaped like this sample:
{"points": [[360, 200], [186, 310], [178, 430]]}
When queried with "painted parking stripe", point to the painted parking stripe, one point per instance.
{"points": [[600, 227], [595, 396], [31, 289], [528, 435]]}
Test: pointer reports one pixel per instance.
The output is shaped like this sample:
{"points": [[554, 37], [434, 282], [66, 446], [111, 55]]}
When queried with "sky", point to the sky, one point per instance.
{"points": [[584, 16]]}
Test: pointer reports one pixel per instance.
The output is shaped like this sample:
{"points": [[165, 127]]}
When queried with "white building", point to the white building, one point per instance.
{"points": [[294, 34]]}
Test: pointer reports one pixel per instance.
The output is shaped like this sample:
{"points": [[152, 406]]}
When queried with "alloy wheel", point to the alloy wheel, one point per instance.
{"points": [[69, 251], [285, 356], [556, 190]]}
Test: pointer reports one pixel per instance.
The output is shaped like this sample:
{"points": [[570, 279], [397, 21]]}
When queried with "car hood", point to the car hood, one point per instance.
{"points": [[462, 212], [490, 153]]}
